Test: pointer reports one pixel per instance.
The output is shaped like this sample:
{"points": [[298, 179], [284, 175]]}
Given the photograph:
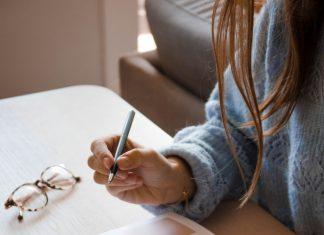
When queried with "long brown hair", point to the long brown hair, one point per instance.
{"points": [[232, 34]]}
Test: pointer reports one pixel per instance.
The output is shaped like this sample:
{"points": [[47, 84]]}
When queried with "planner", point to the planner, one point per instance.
{"points": [[166, 224]]}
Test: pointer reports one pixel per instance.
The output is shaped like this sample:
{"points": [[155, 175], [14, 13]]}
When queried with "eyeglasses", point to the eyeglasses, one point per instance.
{"points": [[33, 197]]}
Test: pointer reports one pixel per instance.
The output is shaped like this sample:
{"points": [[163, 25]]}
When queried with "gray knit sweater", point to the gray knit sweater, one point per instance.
{"points": [[291, 186]]}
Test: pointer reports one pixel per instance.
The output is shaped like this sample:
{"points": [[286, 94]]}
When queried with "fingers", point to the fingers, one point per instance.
{"points": [[138, 157], [118, 181], [100, 150], [112, 142], [96, 165], [117, 191], [100, 178], [122, 174], [130, 180], [104, 148]]}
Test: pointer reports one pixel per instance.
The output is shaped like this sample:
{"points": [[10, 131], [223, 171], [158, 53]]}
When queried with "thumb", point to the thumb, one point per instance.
{"points": [[137, 157]]}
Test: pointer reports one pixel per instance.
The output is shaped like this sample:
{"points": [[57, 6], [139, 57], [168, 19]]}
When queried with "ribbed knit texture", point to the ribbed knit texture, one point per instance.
{"points": [[291, 186]]}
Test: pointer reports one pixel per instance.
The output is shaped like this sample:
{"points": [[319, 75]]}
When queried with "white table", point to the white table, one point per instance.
{"points": [[47, 128], [58, 126]]}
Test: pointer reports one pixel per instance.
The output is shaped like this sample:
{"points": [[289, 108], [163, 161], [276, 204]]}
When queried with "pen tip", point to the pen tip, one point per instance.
{"points": [[110, 177]]}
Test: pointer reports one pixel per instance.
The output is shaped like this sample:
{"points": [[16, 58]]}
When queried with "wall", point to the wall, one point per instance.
{"points": [[119, 34], [46, 44]]}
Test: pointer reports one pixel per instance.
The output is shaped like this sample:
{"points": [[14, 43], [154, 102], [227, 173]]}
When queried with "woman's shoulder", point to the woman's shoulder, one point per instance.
{"points": [[269, 47], [268, 54], [269, 28]]}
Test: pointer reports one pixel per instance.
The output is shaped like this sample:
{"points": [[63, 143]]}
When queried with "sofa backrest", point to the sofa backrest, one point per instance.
{"points": [[182, 32]]}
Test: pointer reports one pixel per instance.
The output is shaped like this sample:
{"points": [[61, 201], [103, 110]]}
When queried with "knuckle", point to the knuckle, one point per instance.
{"points": [[94, 144], [97, 178], [102, 155], [90, 161], [150, 151], [136, 151]]}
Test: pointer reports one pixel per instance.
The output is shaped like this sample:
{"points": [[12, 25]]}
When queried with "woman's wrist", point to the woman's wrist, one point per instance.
{"points": [[184, 177]]}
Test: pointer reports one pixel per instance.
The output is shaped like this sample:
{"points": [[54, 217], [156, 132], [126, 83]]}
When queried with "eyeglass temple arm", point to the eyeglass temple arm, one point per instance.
{"points": [[21, 214]]}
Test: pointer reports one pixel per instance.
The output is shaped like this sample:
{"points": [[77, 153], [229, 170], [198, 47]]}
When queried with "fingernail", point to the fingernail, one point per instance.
{"points": [[124, 162]]}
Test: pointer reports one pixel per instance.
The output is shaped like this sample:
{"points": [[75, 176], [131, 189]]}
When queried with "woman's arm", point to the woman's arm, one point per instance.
{"points": [[205, 149]]}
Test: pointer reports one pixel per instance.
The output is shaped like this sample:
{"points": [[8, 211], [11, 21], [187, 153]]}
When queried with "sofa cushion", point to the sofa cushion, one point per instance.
{"points": [[182, 32]]}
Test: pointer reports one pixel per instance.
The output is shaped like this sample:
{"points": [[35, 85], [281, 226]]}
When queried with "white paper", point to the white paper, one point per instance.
{"points": [[167, 224]]}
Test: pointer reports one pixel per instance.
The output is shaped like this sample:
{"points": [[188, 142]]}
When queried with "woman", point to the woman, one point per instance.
{"points": [[264, 127]]}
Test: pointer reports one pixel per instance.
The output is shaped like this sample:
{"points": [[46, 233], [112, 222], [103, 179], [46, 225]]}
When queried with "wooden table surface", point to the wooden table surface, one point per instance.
{"points": [[54, 127]]}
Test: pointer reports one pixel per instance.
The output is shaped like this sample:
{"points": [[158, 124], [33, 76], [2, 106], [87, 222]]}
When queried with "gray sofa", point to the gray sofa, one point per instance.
{"points": [[171, 85]]}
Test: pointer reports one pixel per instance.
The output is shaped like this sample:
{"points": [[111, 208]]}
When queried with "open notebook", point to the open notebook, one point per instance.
{"points": [[167, 224]]}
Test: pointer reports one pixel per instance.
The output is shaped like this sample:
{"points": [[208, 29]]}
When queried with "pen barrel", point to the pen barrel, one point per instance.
{"points": [[124, 136], [121, 144], [119, 150], [114, 169]]}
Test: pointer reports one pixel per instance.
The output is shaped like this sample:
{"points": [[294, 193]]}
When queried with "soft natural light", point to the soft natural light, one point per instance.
{"points": [[145, 42]]}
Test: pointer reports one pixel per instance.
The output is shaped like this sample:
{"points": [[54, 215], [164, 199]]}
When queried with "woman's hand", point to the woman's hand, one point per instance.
{"points": [[144, 176]]}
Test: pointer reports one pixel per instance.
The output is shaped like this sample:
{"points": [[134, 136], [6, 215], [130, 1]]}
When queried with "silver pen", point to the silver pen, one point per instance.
{"points": [[121, 144]]}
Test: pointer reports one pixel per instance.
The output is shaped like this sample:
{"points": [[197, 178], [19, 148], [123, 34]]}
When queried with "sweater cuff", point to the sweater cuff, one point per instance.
{"points": [[210, 186]]}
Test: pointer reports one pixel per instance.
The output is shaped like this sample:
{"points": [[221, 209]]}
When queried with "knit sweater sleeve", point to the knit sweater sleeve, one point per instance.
{"points": [[205, 149]]}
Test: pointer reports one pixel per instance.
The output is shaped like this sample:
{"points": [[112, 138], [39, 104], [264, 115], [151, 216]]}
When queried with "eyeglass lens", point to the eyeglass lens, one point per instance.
{"points": [[29, 197], [59, 177]]}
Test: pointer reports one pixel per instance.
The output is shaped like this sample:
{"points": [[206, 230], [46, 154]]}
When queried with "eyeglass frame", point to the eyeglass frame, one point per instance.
{"points": [[44, 184]]}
